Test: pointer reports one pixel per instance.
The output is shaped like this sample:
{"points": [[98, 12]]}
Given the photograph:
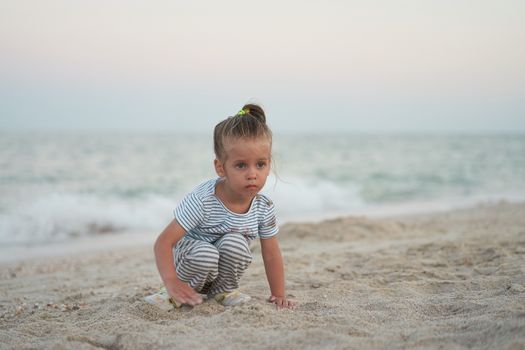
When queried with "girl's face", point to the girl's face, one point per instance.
{"points": [[246, 165]]}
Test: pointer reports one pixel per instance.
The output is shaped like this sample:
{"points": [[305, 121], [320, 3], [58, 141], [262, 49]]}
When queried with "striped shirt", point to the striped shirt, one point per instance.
{"points": [[204, 217]]}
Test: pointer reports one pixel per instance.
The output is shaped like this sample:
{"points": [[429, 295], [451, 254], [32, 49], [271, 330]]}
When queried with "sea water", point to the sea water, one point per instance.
{"points": [[57, 187]]}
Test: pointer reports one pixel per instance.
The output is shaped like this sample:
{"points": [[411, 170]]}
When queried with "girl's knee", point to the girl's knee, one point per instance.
{"points": [[206, 254], [235, 245]]}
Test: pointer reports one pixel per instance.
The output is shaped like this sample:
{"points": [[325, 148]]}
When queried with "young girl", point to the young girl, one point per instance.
{"points": [[205, 249]]}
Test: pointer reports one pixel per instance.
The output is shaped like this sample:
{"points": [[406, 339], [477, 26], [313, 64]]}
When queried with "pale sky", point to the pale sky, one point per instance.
{"points": [[373, 66]]}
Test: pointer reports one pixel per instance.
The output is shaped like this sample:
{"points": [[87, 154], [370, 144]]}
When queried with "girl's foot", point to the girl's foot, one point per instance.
{"points": [[231, 298]]}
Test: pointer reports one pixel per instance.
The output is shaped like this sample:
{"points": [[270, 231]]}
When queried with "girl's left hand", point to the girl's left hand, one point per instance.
{"points": [[281, 302]]}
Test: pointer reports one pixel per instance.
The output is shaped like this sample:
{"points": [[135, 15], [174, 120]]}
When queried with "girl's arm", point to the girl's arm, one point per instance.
{"points": [[163, 249], [273, 264]]}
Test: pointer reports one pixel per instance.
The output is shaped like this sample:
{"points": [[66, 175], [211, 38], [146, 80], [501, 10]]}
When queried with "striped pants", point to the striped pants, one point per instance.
{"points": [[211, 268]]}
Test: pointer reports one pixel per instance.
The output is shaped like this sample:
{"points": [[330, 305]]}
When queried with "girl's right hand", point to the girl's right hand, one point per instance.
{"points": [[179, 291], [183, 293]]}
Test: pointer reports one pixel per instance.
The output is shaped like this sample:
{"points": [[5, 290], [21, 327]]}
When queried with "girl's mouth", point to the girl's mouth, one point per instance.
{"points": [[251, 187]]}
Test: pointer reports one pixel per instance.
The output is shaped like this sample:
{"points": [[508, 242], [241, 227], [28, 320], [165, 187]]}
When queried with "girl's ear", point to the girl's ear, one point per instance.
{"points": [[219, 169]]}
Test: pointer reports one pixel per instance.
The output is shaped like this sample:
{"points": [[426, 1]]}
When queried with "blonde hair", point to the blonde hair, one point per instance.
{"points": [[249, 122]]}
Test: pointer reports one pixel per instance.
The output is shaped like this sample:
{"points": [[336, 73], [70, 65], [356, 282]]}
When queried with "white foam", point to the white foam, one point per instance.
{"points": [[295, 198], [59, 216], [56, 217]]}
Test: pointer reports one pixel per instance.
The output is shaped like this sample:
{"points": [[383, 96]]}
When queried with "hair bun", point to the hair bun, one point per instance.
{"points": [[249, 122], [255, 111]]}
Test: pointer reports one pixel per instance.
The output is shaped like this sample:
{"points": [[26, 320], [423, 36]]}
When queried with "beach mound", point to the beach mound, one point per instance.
{"points": [[451, 280]]}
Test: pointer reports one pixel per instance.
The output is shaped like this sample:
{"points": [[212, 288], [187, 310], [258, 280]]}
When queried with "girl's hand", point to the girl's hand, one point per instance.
{"points": [[282, 302], [183, 293]]}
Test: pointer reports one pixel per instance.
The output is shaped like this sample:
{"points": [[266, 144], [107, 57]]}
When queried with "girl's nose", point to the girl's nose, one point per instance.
{"points": [[252, 173]]}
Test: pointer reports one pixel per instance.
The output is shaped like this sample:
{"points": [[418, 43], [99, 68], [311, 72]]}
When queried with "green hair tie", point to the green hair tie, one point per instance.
{"points": [[243, 112]]}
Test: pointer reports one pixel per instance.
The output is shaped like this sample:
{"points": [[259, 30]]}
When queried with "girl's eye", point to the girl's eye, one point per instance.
{"points": [[261, 165], [240, 165]]}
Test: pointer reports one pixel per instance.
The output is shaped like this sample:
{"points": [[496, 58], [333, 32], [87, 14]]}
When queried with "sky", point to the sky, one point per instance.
{"points": [[315, 66]]}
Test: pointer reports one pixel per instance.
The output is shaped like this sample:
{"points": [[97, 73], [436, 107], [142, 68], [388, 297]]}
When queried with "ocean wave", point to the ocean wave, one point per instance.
{"points": [[56, 217], [61, 216], [295, 197]]}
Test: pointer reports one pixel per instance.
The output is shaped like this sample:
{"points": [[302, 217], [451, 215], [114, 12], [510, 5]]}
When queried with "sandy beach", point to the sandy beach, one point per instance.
{"points": [[452, 280]]}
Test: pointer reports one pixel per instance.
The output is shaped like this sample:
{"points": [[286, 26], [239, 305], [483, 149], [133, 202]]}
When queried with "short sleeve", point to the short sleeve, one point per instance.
{"points": [[268, 224], [189, 213]]}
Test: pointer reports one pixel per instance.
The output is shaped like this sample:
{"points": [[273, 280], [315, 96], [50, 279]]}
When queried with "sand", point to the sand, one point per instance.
{"points": [[451, 280]]}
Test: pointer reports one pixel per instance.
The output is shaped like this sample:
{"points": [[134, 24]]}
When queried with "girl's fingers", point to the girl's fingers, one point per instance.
{"points": [[281, 303], [187, 296], [196, 299], [192, 299]]}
